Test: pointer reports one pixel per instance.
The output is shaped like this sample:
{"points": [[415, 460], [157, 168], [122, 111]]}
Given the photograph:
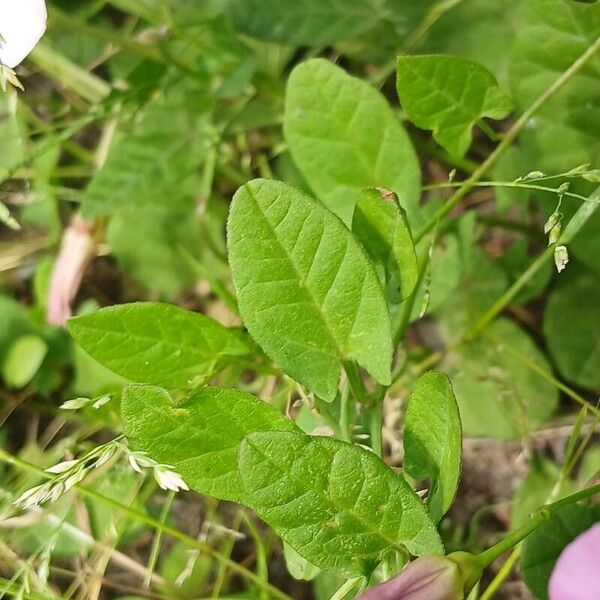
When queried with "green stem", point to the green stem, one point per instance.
{"points": [[345, 413], [531, 364], [346, 588], [356, 383], [504, 184], [579, 219], [502, 574], [68, 74], [508, 139], [376, 427], [148, 520], [485, 559], [157, 540]]}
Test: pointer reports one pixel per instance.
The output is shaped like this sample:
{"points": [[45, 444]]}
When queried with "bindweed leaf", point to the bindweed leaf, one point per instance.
{"points": [[199, 437], [498, 392], [433, 440], [151, 342], [307, 291], [338, 505], [344, 137], [572, 327], [306, 22], [155, 162], [551, 35], [380, 225], [449, 95]]}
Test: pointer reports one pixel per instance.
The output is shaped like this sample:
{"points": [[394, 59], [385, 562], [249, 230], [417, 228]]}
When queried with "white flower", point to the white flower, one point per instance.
{"points": [[62, 467], [169, 480], [561, 257], [101, 401], [75, 404], [34, 496], [105, 456], [74, 479], [22, 24], [137, 460]]}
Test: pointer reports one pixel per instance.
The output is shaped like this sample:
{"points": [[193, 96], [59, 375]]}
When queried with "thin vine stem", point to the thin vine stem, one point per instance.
{"points": [[155, 524], [508, 139], [486, 558], [346, 588], [502, 574], [507, 184]]}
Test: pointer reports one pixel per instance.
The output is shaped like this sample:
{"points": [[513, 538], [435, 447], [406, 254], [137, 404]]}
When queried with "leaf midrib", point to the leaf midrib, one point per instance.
{"points": [[369, 527], [300, 277]]}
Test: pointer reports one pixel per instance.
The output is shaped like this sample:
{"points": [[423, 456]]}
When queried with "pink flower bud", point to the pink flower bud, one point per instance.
{"points": [[76, 251], [576, 574], [431, 577]]}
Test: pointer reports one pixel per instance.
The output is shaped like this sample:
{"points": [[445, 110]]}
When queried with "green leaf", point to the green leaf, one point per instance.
{"points": [[200, 437], [565, 131], [572, 327], [479, 30], [154, 158], [150, 342], [336, 504], [23, 360], [536, 489], [307, 22], [449, 95], [482, 283], [551, 35], [379, 223], [344, 137], [498, 394], [543, 547], [148, 242], [307, 292], [433, 440]]}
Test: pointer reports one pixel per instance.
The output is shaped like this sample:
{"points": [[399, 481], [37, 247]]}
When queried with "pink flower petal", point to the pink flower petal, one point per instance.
{"points": [[576, 574], [76, 251]]}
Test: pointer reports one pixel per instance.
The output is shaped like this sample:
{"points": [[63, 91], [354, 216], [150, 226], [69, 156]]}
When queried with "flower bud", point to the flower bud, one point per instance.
{"points": [[431, 577], [77, 250], [561, 257]]}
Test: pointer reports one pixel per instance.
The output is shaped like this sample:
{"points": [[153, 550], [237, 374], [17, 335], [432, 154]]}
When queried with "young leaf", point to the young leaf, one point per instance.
{"points": [[433, 440], [543, 547], [449, 95], [572, 327], [307, 292], [344, 137], [498, 393], [379, 223], [199, 437], [306, 22], [150, 342], [336, 504]]}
